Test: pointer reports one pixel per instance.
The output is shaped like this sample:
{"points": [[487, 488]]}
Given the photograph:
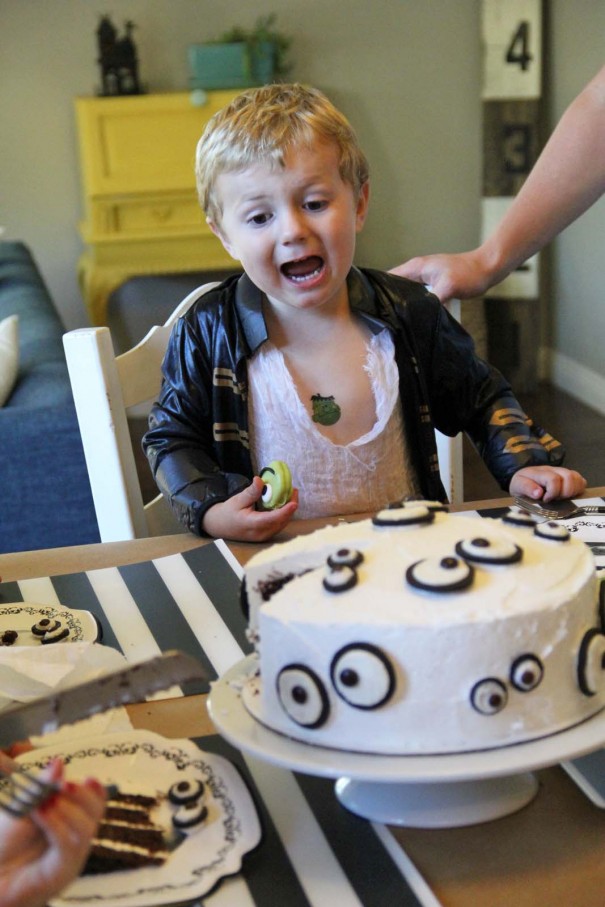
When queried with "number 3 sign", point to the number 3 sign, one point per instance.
{"points": [[512, 39]]}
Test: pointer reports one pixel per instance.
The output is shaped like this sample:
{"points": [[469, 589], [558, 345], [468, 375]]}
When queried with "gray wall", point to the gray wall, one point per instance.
{"points": [[578, 255], [406, 72]]}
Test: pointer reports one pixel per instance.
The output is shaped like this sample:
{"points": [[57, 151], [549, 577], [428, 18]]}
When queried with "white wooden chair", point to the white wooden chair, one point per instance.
{"points": [[104, 387], [449, 450]]}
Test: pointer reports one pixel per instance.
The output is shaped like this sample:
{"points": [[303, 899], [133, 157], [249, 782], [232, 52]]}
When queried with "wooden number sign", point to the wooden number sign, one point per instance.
{"points": [[511, 91], [512, 38]]}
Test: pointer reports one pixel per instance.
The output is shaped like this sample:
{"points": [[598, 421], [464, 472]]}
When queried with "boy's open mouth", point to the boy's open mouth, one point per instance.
{"points": [[303, 269]]}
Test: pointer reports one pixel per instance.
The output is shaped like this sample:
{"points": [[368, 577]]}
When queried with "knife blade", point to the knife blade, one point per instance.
{"points": [[130, 684]]}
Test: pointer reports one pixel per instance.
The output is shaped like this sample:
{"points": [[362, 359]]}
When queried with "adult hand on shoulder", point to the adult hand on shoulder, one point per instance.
{"points": [[460, 276], [42, 853], [237, 518], [547, 483]]}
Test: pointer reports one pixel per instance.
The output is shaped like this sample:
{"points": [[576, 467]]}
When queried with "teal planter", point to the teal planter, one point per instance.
{"points": [[235, 65]]}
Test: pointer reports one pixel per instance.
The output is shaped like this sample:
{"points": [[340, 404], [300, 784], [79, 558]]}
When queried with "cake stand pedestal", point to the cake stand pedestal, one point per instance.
{"points": [[436, 804], [439, 791]]}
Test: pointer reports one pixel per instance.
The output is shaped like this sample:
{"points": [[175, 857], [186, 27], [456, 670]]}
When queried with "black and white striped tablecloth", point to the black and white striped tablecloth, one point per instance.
{"points": [[314, 853]]}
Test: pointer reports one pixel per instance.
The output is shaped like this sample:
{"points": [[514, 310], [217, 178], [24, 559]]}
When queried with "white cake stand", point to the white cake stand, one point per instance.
{"points": [[440, 791]]}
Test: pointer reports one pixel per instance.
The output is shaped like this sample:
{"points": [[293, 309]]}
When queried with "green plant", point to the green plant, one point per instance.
{"points": [[264, 31]]}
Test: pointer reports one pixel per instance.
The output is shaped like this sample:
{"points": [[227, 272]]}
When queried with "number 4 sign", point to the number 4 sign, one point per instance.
{"points": [[512, 41]]}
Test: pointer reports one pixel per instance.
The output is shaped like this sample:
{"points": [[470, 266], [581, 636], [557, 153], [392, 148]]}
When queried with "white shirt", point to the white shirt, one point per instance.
{"points": [[365, 474]]}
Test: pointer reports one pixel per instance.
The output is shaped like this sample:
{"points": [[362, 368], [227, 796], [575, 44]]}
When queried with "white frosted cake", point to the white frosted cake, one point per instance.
{"points": [[424, 632]]}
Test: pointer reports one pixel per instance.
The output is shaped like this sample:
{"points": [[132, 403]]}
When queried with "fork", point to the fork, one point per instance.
{"points": [[558, 510], [21, 792]]}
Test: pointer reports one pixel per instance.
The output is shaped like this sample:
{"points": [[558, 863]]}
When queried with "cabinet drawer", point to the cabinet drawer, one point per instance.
{"points": [[150, 215]]}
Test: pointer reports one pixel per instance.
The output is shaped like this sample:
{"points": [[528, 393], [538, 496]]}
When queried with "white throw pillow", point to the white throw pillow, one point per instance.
{"points": [[9, 356]]}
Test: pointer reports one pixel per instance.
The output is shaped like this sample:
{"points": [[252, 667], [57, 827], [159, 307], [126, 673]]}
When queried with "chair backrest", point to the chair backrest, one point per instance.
{"points": [[104, 386], [449, 450]]}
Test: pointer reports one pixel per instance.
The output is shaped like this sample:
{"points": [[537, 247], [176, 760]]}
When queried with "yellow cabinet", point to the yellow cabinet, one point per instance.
{"points": [[141, 214]]}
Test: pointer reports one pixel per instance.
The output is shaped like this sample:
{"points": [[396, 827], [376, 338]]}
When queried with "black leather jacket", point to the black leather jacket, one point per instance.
{"points": [[197, 443]]}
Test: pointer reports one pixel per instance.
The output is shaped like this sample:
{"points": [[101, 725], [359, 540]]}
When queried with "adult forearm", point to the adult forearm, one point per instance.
{"points": [[568, 178]]}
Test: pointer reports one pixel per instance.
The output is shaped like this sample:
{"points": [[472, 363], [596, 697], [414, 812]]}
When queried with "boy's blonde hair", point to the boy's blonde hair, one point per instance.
{"points": [[260, 125]]}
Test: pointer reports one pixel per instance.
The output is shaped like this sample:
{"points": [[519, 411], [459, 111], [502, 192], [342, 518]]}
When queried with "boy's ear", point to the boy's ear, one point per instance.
{"points": [[363, 202], [223, 238]]}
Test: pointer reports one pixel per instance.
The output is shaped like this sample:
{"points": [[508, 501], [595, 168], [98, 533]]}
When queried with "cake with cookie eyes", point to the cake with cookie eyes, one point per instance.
{"points": [[422, 632]]}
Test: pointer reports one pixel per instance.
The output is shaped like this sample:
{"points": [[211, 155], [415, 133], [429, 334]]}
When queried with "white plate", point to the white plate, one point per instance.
{"points": [[21, 616], [147, 763]]}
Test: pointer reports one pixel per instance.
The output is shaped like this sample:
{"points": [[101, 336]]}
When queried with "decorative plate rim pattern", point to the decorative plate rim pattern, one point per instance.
{"points": [[75, 620]]}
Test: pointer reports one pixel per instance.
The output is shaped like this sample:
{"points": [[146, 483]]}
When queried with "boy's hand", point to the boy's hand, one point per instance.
{"points": [[547, 483], [237, 518]]}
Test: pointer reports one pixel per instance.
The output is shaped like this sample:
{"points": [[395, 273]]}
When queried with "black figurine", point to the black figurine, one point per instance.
{"points": [[117, 59]]}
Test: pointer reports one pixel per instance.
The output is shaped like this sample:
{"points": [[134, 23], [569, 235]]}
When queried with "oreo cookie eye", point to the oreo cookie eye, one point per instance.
{"points": [[591, 662], [517, 516], [57, 634], [363, 676], [339, 579], [406, 514], [186, 791], [45, 625], [436, 506], [414, 499], [303, 696], [552, 530], [190, 816], [526, 673], [489, 696], [440, 574], [345, 557], [489, 551]]}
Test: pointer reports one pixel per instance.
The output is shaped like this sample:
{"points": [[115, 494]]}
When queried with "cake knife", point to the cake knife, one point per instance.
{"points": [[130, 684]]}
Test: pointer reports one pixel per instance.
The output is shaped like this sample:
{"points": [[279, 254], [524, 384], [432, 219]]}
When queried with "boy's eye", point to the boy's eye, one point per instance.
{"points": [[258, 220], [316, 205]]}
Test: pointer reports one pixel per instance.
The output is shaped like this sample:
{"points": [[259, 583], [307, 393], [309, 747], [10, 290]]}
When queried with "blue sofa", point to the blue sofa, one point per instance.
{"points": [[45, 497]]}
